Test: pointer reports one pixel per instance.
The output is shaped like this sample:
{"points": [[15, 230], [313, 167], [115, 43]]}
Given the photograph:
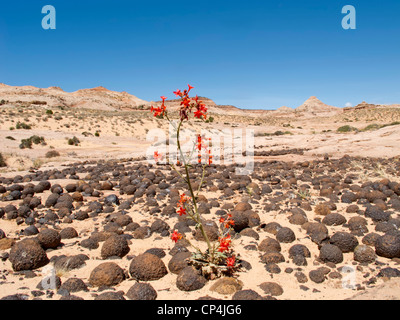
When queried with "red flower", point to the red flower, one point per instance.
{"points": [[190, 87], [224, 243], [176, 236], [157, 156], [163, 98], [182, 211], [178, 93], [230, 262]]}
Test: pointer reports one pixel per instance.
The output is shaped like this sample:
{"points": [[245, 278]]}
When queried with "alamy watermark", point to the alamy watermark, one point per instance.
{"points": [[227, 147], [49, 20]]}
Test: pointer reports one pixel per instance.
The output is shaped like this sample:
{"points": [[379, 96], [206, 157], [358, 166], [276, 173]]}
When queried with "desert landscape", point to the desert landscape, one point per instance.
{"points": [[318, 217]]}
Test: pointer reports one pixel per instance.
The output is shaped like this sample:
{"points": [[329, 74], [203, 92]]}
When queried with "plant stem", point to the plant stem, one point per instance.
{"points": [[196, 216]]}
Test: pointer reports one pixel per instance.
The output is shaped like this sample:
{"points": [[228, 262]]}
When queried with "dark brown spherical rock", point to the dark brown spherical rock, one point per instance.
{"points": [[178, 262], [272, 227], [142, 291], [345, 241], [68, 263], [211, 230], [115, 246], [298, 219], [243, 206], [364, 254], [49, 238], [147, 267], [190, 279], [110, 296], [241, 220], [269, 245], [322, 209], [106, 274], [376, 214], [27, 255], [331, 253], [317, 276], [89, 243], [334, 219], [74, 285], [272, 257], [285, 235], [271, 288], [68, 233], [247, 294], [299, 250], [226, 285], [388, 246], [123, 220], [370, 239]]}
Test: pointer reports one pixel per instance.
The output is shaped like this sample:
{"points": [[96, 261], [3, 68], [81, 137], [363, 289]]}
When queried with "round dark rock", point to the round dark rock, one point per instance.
{"points": [[106, 274], [376, 214], [247, 294], [388, 246], [190, 279], [317, 276], [272, 257], [271, 288], [178, 262], [345, 241], [90, 244], [74, 285], [49, 239], [331, 253], [147, 267], [364, 254], [115, 246], [269, 245], [142, 291], [110, 296], [285, 235], [334, 219], [27, 255], [68, 233], [31, 231]]}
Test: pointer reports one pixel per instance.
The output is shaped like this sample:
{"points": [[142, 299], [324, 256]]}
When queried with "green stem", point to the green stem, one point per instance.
{"points": [[197, 216]]}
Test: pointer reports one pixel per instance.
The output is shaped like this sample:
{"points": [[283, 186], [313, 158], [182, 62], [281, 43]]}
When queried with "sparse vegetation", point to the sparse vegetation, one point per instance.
{"points": [[73, 141], [2, 161], [346, 128], [27, 143], [52, 154], [23, 125]]}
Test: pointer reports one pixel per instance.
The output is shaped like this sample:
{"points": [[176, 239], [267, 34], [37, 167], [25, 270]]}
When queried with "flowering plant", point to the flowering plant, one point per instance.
{"points": [[219, 258]]}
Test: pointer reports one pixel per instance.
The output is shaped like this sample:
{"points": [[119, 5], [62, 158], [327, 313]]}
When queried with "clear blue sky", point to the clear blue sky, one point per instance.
{"points": [[251, 54]]}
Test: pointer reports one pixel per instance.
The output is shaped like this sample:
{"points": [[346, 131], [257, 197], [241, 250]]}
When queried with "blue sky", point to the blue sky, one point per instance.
{"points": [[251, 54]]}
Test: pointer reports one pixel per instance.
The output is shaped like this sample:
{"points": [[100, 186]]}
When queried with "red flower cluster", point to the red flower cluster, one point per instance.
{"points": [[181, 205], [159, 111], [176, 236], [227, 222], [224, 243], [157, 156], [230, 262], [188, 104]]}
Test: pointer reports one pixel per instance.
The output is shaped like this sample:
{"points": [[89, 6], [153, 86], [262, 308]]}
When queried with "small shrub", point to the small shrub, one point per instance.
{"points": [[10, 138], [23, 125], [49, 111], [52, 154], [26, 144], [97, 134], [2, 161], [346, 128], [73, 141]]}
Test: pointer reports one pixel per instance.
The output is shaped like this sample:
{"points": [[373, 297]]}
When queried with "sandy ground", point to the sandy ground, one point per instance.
{"points": [[120, 139]]}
